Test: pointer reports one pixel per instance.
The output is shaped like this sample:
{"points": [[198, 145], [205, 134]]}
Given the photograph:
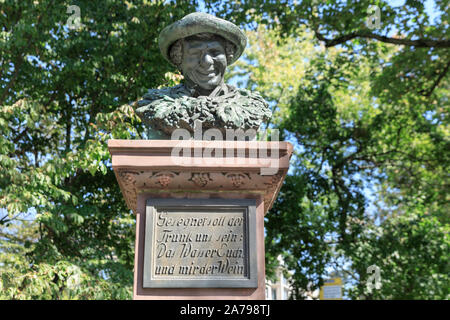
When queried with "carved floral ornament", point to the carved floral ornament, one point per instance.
{"points": [[164, 178], [200, 179], [131, 182], [128, 177], [238, 179]]}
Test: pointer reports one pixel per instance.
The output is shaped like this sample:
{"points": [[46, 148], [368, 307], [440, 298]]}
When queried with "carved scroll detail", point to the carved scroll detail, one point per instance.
{"points": [[128, 179], [272, 184]]}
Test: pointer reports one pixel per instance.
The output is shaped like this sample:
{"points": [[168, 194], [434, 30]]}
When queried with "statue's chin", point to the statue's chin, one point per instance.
{"points": [[211, 85], [205, 83]]}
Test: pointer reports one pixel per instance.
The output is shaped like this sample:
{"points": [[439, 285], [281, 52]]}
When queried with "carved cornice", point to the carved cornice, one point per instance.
{"points": [[130, 164]]}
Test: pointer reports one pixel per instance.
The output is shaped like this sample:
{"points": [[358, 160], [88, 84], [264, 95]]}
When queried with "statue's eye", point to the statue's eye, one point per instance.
{"points": [[194, 52], [215, 52]]}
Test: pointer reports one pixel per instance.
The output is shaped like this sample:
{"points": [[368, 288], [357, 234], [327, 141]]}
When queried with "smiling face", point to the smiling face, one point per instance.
{"points": [[204, 62]]}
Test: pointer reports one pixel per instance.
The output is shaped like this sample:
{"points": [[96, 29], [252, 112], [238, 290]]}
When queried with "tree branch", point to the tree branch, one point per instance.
{"points": [[438, 80], [419, 43]]}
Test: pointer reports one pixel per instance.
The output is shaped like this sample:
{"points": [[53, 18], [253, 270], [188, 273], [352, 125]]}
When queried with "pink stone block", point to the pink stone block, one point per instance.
{"points": [[153, 169]]}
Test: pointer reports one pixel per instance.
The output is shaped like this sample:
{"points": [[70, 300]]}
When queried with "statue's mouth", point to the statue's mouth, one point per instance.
{"points": [[208, 74]]}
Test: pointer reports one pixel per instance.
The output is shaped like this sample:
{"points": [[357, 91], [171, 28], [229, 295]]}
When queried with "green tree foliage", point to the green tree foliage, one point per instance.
{"points": [[368, 112], [367, 109], [64, 91]]}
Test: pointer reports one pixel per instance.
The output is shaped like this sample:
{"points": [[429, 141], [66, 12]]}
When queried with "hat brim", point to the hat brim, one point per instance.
{"points": [[200, 22]]}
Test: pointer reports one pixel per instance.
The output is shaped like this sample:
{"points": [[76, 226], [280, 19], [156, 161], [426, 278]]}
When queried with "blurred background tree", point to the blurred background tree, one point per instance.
{"points": [[362, 99], [65, 85], [362, 90]]}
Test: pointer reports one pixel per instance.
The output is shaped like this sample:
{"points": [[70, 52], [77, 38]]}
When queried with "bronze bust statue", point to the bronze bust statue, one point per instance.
{"points": [[201, 46]]}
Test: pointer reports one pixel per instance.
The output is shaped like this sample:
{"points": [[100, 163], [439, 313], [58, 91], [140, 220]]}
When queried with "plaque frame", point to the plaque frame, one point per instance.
{"points": [[248, 207]]}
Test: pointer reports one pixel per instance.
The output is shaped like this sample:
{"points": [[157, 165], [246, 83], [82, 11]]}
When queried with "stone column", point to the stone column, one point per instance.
{"points": [[200, 209]]}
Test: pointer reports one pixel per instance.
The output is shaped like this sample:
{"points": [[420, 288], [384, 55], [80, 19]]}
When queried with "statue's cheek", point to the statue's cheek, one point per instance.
{"points": [[221, 60], [189, 65]]}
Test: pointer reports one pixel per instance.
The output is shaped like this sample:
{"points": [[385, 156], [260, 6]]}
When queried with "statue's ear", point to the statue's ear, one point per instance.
{"points": [[230, 50], [176, 53]]}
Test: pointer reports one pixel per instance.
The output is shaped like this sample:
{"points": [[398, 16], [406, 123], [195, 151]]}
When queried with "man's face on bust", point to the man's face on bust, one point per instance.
{"points": [[204, 62]]}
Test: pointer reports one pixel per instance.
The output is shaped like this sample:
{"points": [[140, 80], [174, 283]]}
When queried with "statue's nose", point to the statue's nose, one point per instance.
{"points": [[206, 60]]}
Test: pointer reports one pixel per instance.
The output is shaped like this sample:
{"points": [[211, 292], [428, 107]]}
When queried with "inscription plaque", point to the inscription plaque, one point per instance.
{"points": [[200, 243]]}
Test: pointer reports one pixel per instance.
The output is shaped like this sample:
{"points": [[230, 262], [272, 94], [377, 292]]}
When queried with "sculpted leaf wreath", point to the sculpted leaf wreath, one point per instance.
{"points": [[170, 108]]}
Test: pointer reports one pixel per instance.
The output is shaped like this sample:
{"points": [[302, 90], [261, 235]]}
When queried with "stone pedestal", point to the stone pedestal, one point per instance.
{"points": [[200, 209]]}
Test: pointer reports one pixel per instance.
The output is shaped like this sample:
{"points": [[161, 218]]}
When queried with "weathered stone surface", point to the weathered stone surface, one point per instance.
{"points": [[193, 243]]}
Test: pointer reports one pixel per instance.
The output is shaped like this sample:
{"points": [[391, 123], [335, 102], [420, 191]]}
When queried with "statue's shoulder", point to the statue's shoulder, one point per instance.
{"points": [[245, 93]]}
